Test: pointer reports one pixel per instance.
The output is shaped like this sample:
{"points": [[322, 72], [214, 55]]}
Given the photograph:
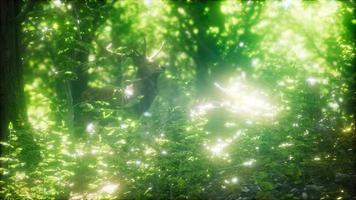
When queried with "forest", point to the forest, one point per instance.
{"points": [[177, 99]]}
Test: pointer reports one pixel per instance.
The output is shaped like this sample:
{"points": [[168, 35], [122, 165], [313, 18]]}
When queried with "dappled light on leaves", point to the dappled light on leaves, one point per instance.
{"points": [[153, 99]]}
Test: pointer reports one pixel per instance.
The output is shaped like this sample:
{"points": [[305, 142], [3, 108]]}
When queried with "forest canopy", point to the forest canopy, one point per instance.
{"points": [[188, 99]]}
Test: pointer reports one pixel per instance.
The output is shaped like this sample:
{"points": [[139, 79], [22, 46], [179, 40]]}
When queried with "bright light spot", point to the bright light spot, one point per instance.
{"points": [[317, 159], [315, 66], [347, 129], [217, 149], [94, 151], [311, 81], [243, 99], [129, 91], [284, 145], [109, 188], [147, 114], [234, 180], [138, 162], [20, 175], [254, 62], [91, 57], [229, 124], [202, 109], [90, 128], [45, 29], [79, 153], [241, 44], [147, 2], [249, 163], [286, 4], [164, 152], [149, 151], [55, 26], [124, 126], [334, 105], [57, 3], [237, 135]]}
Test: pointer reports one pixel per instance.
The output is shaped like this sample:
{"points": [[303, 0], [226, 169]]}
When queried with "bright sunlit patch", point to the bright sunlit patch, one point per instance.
{"points": [[202, 109], [241, 44], [317, 159], [57, 3], [285, 144], [240, 98], [20, 175], [147, 2], [90, 128], [124, 126], [109, 188], [218, 149], [311, 80], [334, 105], [129, 91], [255, 62], [286, 4], [249, 163], [147, 114], [244, 99], [234, 180]]}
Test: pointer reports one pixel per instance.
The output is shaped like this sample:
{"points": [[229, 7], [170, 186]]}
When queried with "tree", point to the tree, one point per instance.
{"points": [[13, 106]]}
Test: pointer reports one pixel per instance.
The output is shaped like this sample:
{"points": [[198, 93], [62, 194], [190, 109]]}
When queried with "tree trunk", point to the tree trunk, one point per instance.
{"points": [[12, 100], [11, 87]]}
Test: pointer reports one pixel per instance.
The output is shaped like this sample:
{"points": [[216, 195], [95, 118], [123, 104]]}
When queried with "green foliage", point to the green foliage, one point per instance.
{"points": [[253, 102]]}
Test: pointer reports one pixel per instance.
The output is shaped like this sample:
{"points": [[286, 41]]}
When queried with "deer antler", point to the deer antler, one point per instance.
{"points": [[155, 53]]}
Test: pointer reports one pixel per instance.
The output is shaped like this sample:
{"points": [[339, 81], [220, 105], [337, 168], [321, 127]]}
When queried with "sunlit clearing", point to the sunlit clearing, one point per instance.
{"points": [[244, 99]]}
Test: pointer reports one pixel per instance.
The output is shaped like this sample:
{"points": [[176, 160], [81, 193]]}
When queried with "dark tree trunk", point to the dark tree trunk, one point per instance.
{"points": [[86, 33], [11, 87], [350, 73], [12, 100]]}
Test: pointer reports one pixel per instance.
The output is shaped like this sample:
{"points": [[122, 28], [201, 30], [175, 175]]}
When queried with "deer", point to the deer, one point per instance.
{"points": [[144, 89]]}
